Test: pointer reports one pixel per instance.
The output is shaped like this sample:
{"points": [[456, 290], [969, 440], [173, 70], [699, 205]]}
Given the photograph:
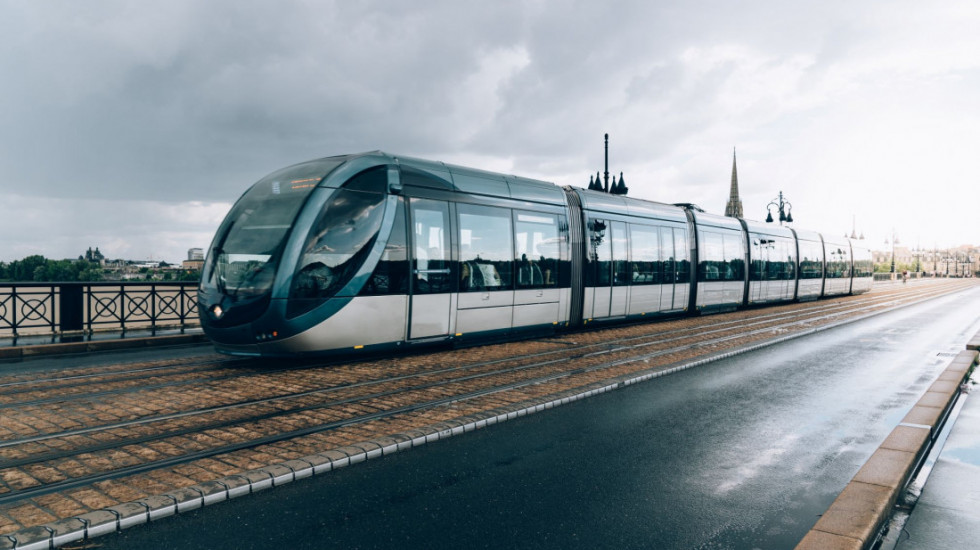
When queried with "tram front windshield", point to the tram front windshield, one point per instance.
{"points": [[242, 262]]}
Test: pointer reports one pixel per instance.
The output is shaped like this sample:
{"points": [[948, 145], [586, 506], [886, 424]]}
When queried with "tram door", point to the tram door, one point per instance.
{"points": [[669, 265], [600, 267], [682, 267], [609, 256], [431, 277], [757, 276], [621, 272]]}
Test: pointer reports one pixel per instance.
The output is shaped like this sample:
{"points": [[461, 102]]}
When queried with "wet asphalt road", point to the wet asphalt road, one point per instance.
{"points": [[742, 453]]}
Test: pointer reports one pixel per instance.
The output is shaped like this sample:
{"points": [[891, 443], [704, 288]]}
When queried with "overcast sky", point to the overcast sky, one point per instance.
{"points": [[133, 126]]}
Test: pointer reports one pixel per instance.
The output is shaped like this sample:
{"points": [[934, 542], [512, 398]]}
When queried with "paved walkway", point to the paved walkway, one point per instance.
{"points": [[39, 345], [947, 514]]}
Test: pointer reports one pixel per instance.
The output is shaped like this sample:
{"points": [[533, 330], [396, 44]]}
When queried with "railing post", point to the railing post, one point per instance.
{"points": [[13, 309], [122, 307], [153, 308], [88, 308], [70, 307]]}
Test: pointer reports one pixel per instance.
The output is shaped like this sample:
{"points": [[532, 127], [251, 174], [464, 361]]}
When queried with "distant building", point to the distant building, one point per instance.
{"points": [[94, 256], [734, 207], [194, 261]]}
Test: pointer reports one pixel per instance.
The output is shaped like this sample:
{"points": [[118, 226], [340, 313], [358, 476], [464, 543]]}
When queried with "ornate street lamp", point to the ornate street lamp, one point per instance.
{"points": [[614, 188], [894, 242], [785, 210]]}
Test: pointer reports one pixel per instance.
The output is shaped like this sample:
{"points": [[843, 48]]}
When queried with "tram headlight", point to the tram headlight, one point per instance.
{"points": [[217, 312]]}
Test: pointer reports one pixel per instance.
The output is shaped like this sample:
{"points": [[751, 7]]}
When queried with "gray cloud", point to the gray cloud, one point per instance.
{"points": [[192, 101]]}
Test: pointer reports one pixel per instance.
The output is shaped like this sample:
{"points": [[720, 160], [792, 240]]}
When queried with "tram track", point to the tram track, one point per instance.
{"points": [[566, 354], [395, 391], [78, 381], [91, 376], [563, 355], [368, 417]]}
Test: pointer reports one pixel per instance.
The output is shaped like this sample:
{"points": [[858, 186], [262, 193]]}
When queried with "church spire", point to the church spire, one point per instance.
{"points": [[734, 207]]}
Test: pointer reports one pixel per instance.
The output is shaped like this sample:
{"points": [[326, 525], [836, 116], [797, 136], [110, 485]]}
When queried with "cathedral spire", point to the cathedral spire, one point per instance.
{"points": [[734, 207]]}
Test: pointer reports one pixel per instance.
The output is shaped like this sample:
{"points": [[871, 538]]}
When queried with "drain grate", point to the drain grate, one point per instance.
{"points": [[946, 354]]}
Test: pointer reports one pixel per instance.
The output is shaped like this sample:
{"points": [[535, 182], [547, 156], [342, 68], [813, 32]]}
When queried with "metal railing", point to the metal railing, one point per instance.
{"points": [[59, 308]]}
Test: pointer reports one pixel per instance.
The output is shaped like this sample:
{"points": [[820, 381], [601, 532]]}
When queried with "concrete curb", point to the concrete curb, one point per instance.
{"points": [[857, 514], [974, 343], [22, 352]]}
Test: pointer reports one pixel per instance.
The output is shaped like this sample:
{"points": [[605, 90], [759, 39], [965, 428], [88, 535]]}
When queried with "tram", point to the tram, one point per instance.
{"points": [[373, 251]]}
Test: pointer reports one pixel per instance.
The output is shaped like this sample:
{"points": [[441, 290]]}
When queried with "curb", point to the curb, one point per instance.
{"points": [[23, 352], [854, 519]]}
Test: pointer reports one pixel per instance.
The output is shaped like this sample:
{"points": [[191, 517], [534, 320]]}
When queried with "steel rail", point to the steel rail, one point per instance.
{"points": [[151, 465]]}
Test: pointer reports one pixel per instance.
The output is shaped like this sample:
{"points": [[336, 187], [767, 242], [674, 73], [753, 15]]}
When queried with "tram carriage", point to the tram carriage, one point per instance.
{"points": [[371, 251]]}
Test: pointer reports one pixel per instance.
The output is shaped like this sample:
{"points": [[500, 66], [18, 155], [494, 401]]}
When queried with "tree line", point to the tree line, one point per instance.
{"points": [[37, 268]]}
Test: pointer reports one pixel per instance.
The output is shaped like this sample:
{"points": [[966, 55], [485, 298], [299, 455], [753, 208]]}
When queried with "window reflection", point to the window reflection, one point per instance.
{"points": [[811, 260], [773, 258], [246, 251], [390, 276], [340, 241], [485, 248], [645, 247], [599, 269], [537, 250], [682, 250], [430, 228], [722, 257]]}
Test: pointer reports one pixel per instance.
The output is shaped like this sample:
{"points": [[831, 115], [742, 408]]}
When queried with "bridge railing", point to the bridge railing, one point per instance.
{"points": [[64, 308], [898, 276]]}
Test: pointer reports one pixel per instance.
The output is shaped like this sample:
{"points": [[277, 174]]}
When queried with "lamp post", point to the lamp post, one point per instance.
{"points": [[613, 188], [894, 242], [785, 210]]}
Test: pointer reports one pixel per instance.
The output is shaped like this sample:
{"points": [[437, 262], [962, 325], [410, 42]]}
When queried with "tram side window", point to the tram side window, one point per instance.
{"points": [[621, 268], [599, 269], [431, 268], [838, 264], [486, 250], [780, 265], [773, 259], [811, 260], [537, 252], [712, 265], [788, 260], [338, 243], [863, 267], [669, 263], [645, 249], [681, 252], [760, 253], [734, 258], [391, 274]]}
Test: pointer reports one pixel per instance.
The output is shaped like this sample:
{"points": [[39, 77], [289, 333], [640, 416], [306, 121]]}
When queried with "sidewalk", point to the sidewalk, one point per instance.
{"points": [[947, 514], [46, 344]]}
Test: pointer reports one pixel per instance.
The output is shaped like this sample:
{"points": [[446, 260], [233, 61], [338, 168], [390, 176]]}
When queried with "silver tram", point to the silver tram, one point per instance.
{"points": [[373, 251]]}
